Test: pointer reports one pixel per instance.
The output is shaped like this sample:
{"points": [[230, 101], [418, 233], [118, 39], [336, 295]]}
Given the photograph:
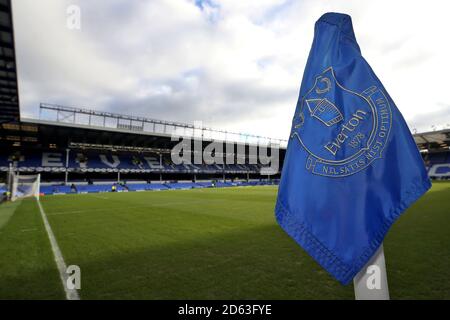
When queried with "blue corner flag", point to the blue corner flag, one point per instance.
{"points": [[351, 167]]}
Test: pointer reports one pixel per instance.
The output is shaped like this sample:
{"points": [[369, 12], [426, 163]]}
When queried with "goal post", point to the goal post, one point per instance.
{"points": [[24, 186]]}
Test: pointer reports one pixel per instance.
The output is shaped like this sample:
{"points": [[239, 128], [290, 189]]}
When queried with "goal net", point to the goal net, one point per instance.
{"points": [[25, 186]]}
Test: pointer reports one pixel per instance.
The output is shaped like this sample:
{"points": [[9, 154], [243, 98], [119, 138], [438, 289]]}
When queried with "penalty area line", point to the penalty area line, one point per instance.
{"points": [[71, 294]]}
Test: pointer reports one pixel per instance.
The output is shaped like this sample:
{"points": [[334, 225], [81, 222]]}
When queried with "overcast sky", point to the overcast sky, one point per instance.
{"points": [[234, 65]]}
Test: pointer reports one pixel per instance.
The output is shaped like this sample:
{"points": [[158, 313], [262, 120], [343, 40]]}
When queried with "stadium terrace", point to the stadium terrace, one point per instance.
{"points": [[72, 157]]}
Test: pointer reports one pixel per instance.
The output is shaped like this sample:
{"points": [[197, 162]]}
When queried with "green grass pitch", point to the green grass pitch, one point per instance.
{"points": [[202, 244]]}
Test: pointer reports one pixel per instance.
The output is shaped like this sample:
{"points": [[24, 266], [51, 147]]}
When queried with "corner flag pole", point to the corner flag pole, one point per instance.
{"points": [[371, 282]]}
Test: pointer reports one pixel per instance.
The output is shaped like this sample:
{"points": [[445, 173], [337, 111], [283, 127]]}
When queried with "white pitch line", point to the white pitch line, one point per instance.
{"points": [[71, 294]]}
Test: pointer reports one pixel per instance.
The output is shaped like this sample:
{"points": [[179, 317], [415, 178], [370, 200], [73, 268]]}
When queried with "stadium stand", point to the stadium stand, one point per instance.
{"points": [[88, 159], [438, 165], [107, 162], [434, 147]]}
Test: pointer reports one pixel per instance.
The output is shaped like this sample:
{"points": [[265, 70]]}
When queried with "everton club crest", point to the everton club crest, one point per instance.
{"points": [[342, 131]]}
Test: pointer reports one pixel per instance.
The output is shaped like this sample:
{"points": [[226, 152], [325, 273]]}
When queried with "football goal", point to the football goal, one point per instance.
{"points": [[25, 186]]}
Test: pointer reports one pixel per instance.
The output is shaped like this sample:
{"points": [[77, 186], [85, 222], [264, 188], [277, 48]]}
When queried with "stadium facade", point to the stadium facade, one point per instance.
{"points": [[81, 150], [93, 150]]}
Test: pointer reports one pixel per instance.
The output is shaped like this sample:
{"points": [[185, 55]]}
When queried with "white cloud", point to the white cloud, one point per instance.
{"points": [[235, 65]]}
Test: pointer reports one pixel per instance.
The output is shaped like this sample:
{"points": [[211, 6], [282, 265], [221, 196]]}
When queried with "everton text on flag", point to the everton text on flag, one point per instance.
{"points": [[351, 166]]}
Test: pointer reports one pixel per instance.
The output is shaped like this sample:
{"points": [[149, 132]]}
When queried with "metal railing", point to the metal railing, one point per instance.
{"points": [[82, 116]]}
